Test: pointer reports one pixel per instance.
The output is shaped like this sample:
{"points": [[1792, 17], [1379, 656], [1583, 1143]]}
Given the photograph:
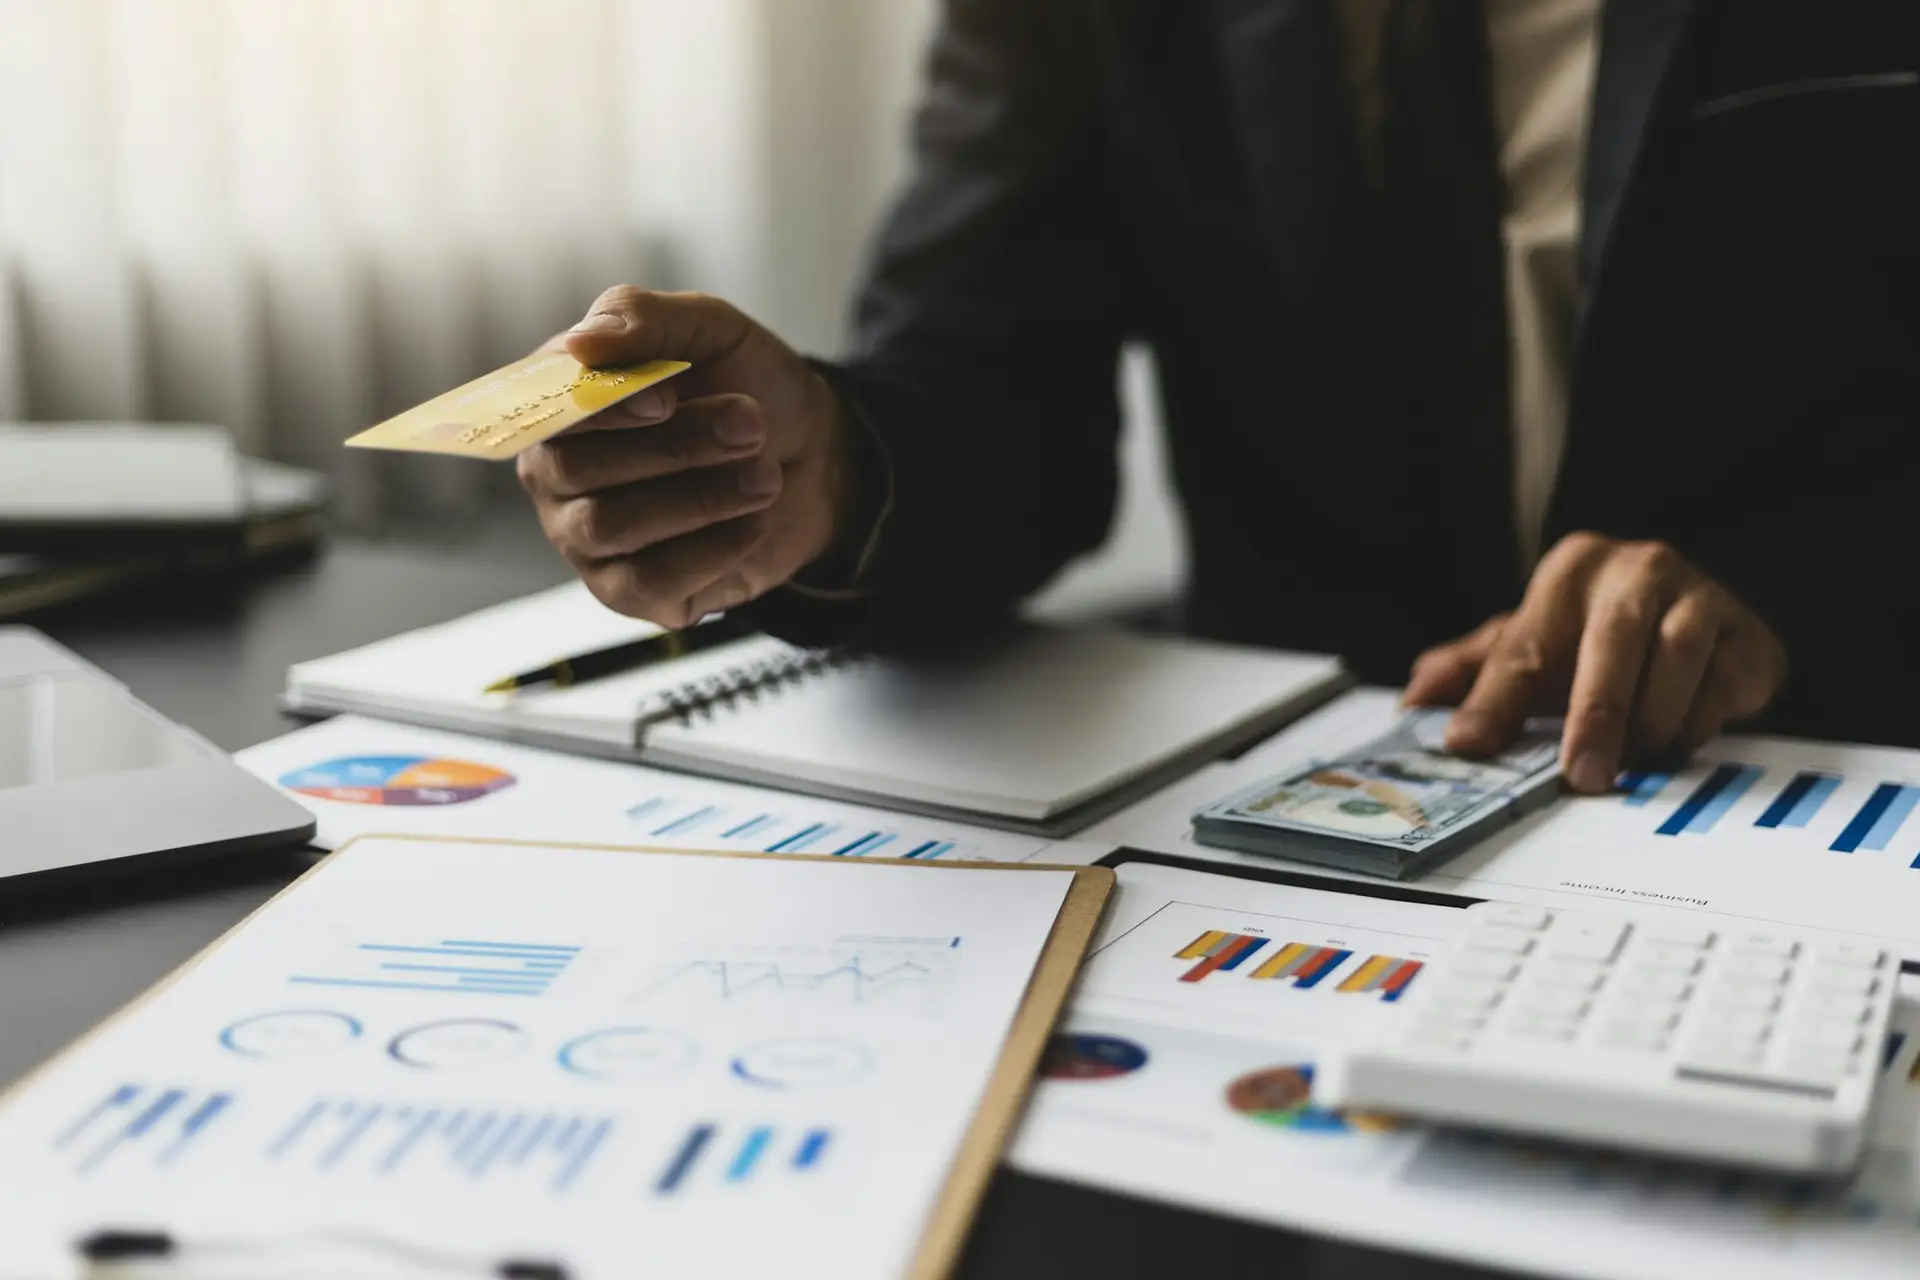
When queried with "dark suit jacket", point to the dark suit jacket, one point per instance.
{"points": [[1746, 379]]}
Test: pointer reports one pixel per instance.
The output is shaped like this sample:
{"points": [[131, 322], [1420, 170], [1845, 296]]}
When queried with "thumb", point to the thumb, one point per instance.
{"points": [[630, 325]]}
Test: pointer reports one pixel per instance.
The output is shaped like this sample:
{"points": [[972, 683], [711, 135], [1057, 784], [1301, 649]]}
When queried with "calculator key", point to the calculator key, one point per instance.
{"points": [[1467, 1000], [1439, 1040], [1647, 1039], [1770, 945], [1744, 997], [1851, 955], [1758, 969], [1838, 1042], [1733, 1059], [1849, 1011], [1541, 1028], [1677, 933], [1556, 1010], [1482, 964], [1511, 915], [1836, 984], [1586, 975], [1507, 941], [1655, 986], [1665, 958], [1740, 1029], [1818, 1069], [1585, 938]]}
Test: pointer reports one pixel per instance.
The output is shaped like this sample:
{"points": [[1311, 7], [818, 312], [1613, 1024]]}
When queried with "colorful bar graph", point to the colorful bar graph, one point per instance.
{"points": [[1799, 800], [1217, 951], [1879, 819], [1641, 788], [1711, 800], [1303, 962], [1388, 975]]}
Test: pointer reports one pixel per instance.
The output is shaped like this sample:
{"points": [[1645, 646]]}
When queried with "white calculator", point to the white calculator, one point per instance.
{"points": [[1724, 1044]]}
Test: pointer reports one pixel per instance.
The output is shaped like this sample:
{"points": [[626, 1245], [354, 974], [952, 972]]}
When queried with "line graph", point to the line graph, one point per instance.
{"points": [[848, 973]]}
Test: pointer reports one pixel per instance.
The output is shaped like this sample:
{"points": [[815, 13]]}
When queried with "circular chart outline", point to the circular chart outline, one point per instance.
{"points": [[740, 1072], [394, 1049], [564, 1055], [355, 1027], [1060, 1045]]}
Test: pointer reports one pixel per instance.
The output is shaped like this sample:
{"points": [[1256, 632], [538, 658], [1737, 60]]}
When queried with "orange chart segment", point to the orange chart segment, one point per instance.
{"points": [[1217, 951]]}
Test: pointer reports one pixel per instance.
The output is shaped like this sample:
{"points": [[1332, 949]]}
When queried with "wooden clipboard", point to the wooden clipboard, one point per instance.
{"points": [[945, 1232]]}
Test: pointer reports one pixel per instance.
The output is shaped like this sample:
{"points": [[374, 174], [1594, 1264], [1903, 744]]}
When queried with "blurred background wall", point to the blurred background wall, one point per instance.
{"points": [[294, 217]]}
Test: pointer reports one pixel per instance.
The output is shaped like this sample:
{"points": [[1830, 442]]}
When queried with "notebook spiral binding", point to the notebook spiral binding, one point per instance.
{"points": [[750, 680]]}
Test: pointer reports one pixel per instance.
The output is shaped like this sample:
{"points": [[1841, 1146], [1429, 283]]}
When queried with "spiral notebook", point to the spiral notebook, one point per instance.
{"points": [[1047, 732]]}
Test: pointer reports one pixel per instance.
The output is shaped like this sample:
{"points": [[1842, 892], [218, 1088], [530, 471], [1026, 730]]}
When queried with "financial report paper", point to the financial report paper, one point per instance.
{"points": [[361, 776], [1185, 1070], [630, 1063]]}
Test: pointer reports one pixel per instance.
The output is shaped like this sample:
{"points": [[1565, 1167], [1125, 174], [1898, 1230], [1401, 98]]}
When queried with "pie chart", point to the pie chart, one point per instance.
{"points": [[402, 780], [1281, 1096]]}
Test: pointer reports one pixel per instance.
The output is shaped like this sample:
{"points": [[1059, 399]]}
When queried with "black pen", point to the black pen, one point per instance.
{"points": [[625, 657]]}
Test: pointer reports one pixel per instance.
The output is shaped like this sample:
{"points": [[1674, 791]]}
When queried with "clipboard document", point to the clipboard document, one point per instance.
{"points": [[616, 1062]]}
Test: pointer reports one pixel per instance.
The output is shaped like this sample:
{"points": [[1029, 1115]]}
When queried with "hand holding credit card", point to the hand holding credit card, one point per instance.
{"points": [[1393, 807], [681, 457], [502, 414]]}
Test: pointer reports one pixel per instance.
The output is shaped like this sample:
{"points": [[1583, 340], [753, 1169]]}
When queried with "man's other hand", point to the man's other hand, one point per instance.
{"points": [[706, 491], [1644, 653]]}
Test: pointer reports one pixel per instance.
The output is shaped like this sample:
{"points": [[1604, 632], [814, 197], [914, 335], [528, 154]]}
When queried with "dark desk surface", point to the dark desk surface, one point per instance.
{"points": [[218, 663]]}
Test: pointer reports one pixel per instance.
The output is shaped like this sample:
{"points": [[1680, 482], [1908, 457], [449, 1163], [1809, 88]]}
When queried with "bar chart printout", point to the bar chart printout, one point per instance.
{"points": [[475, 1144], [1388, 975], [1879, 819], [712, 1152], [1798, 801], [1304, 964], [736, 827], [137, 1122], [455, 965], [1711, 800], [1217, 952]]}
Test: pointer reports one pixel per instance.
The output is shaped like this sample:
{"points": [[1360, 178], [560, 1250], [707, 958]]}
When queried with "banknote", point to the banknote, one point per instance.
{"points": [[1394, 801]]}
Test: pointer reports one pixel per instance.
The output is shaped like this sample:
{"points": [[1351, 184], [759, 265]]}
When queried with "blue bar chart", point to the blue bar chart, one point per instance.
{"points": [[464, 966], [721, 824], [1874, 826], [473, 1144], [1642, 788], [137, 1122], [754, 1153], [1799, 801], [1711, 800]]}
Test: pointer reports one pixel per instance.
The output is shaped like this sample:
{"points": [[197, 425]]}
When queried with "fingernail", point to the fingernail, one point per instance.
{"points": [[737, 430], [1466, 729], [1592, 772], [600, 322], [760, 480], [646, 406]]}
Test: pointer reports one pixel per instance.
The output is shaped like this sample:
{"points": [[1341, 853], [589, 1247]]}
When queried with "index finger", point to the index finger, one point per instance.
{"points": [[1534, 648]]}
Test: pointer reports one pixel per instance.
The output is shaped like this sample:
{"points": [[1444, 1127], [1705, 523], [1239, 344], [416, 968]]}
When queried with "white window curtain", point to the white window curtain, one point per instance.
{"points": [[294, 217]]}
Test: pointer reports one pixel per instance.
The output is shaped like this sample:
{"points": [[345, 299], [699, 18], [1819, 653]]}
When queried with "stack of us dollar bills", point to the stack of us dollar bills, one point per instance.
{"points": [[1395, 807]]}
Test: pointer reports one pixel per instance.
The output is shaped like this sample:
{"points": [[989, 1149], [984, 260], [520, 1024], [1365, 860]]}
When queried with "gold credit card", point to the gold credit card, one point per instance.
{"points": [[508, 411]]}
